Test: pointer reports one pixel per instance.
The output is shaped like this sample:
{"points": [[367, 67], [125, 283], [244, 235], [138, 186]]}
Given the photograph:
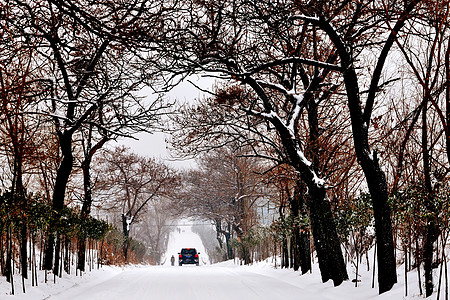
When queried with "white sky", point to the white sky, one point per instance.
{"points": [[154, 145]]}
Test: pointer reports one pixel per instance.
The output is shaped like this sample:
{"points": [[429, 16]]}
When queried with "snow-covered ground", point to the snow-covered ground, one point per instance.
{"points": [[227, 280]]}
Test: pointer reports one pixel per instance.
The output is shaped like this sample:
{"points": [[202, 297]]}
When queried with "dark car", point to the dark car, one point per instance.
{"points": [[188, 256]]}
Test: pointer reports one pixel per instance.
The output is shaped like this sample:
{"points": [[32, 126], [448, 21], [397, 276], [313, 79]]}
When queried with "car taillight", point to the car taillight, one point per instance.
{"points": [[181, 256], [196, 255]]}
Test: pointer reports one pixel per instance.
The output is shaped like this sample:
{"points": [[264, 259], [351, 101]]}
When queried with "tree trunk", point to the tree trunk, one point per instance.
{"points": [[228, 244], [85, 212], [431, 235], [48, 256], [218, 232], [19, 196], [62, 177], [284, 253], [301, 244], [2, 250], [295, 244], [57, 256], [305, 251], [387, 274], [329, 253], [67, 255], [295, 239], [81, 264], [376, 180], [432, 229], [326, 241], [23, 250], [126, 231], [64, 171], [8, 265], [87, 203]]}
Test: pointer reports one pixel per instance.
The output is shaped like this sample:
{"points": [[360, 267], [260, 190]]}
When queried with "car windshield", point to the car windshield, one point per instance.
{"points": [[188, 251]]}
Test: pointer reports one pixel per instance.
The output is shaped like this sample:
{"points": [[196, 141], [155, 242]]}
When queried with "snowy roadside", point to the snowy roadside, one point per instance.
{"points": [[311, 282], [46, 289]]}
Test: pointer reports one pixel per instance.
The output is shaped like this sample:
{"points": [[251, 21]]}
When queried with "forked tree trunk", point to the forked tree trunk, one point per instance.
{"points": [[360, 119], [375, 178]]}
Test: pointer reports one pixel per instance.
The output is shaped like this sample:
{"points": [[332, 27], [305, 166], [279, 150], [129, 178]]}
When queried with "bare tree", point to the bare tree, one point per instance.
{"points": [[129, 183], [155, 225], [425, 49], [226, 189]]}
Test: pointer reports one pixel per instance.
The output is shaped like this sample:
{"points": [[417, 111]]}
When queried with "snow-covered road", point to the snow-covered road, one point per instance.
{"points": [[206, 282], [226, 280], [187, 282]]}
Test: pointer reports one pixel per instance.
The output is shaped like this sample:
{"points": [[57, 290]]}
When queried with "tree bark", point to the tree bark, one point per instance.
{"points": [[295, 247], [431, 235], [67, 255], [126, 234], [301, 241], [432, 229], [375, 177], [23, 250], [284, 253], [227, 242], [8, 265], [56, 265], [305, 251], [81, 264], [326, 241], [62, 177], [387, 275], [19, 195], [87, 203], [85, 212]]}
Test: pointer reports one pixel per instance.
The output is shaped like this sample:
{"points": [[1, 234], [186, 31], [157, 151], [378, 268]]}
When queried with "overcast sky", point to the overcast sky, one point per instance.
{"points": [[154, 145]]}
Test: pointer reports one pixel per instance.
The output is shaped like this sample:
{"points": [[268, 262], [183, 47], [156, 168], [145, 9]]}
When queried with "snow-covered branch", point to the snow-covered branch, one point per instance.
{"points": [[290, 60]]}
